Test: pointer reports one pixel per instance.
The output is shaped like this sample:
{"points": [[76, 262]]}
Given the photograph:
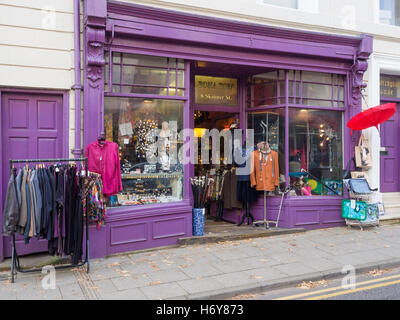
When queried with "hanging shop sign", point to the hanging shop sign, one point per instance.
{"points": [[390, 87], [215, 91]]}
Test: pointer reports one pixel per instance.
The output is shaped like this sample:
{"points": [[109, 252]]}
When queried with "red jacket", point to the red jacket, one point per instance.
{"points": [[104, 159]]}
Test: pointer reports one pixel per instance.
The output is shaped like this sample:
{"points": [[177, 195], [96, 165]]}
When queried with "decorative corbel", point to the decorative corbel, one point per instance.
{"points": [[95, 55], [357, 83], [358, 69]]}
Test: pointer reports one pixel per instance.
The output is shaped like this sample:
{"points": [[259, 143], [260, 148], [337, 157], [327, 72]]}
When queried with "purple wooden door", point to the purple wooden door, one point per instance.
{"points": [[32, 127], [389, 165]]}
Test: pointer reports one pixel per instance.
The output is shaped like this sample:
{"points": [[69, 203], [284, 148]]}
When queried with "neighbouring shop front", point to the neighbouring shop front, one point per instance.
{"points": [[147, 68], [389, 134]]}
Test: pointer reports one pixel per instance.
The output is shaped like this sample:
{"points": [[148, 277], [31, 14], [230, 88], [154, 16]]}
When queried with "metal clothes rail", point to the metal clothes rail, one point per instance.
{"points": [[15, 265]]}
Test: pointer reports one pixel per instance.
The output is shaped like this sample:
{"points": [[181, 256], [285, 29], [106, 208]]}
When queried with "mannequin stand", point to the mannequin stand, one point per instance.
{"points": [[247, 215], [220, 209], [265, 221]]}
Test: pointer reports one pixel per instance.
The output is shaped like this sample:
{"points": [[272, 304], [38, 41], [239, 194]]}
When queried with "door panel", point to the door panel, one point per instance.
{"points": [[389, 167], [32, 127]]}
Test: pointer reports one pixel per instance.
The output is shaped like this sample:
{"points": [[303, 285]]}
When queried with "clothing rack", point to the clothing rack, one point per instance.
{"points": [[15, 266]]}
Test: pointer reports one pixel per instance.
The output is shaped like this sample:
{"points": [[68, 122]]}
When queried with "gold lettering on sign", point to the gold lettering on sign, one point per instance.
{"points": [[215, 91], [390, 87]]}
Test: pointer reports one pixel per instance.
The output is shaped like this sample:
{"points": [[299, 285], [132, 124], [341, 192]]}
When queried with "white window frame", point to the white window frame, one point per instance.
{"points": [[377, 10], [311, 6]]}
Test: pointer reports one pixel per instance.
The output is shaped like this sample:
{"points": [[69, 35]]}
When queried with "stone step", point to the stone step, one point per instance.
{"points": [[223, 231], [392, 209], [391, 197]]}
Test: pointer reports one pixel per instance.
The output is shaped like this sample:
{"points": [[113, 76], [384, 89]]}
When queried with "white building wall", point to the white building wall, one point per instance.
{"points": [[37, 40], [37, 47]]}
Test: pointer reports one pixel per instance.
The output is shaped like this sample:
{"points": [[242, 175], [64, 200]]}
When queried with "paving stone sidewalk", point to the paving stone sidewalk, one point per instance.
{"points": [[218, 270]]}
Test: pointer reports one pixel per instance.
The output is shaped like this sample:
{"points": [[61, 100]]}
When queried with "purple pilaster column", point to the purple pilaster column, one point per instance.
{"points": [[95, 16], [355, 84]]}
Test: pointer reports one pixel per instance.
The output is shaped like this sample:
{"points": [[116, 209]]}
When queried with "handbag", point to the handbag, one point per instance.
{"points": [[347, 171], [354, 209], [363, 154]]}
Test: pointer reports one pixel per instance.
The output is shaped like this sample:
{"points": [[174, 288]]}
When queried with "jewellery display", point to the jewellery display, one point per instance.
{"points": [[147, 188]]}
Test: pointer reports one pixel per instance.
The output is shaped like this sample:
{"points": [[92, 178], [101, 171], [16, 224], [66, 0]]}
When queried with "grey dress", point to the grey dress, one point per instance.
{"points": [[23, 211]]}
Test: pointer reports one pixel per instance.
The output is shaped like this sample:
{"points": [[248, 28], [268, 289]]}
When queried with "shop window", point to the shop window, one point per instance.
{"points": [[269, 126], [316, 89], [294, 4], [315, 144], [137, 125], [390, 86], [141, 74], [311, 6], [389, 12], [267, 89]]}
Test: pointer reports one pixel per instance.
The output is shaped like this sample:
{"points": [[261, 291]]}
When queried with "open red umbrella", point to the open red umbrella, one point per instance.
{"points": [[372, 117]]}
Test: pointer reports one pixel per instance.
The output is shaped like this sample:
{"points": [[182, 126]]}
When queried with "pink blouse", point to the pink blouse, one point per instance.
{"points": [[104, 159]]}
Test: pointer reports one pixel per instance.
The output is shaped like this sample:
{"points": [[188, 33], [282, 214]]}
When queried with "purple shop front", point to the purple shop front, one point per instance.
{"points": [[118, 35]]}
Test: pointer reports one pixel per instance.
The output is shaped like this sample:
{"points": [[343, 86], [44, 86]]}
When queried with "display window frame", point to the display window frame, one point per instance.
{"points": [[287, 105], [185, 98]]}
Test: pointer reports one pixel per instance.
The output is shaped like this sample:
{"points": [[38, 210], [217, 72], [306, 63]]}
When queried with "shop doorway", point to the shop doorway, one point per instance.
{"points": [[219, 169], [32, 126], [209, 120], [389, 162]]}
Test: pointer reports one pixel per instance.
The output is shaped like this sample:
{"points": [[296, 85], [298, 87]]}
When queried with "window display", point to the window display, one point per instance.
{"points": [[315, 135], [269, 126], [315, 147], [138, 125]]}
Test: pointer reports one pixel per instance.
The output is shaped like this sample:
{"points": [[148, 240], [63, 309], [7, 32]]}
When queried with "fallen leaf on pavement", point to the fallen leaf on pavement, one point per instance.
{"points": [[312, 284], [154, 283], [243, 296], [376, 272], [113, 264]]}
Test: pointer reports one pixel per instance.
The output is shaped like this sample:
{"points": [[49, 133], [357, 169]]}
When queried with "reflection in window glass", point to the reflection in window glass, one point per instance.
{"points": [[266, 89], [283, 3], [307, 88], [389, 12], [141, 74], [128, 122], [315, 144]]}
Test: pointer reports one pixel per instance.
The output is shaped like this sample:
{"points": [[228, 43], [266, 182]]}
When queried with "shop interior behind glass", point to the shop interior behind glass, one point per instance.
{"points": [[315, 134]]}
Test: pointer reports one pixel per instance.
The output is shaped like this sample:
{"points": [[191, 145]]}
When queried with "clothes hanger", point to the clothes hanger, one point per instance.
{"points": [[101, 138]]}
